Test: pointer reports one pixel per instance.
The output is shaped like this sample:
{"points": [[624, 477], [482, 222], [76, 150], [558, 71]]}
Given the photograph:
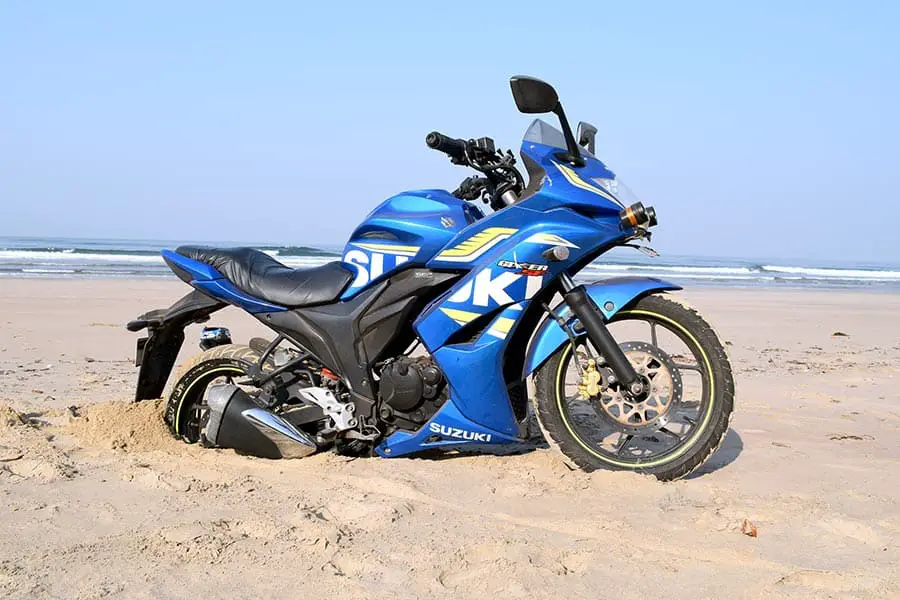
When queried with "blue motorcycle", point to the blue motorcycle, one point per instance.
{"points": [[446, 328]]}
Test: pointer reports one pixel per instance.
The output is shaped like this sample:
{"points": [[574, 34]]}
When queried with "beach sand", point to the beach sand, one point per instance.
{"points": [[99, 501]]}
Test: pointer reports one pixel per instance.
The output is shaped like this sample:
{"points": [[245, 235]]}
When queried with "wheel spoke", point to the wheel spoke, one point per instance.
{"points": [[624, 444], [670, 433], [653, 339], [686, 367]]}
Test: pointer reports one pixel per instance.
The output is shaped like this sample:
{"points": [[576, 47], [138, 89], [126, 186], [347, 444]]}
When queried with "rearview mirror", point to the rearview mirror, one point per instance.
{"points": [[533, 95], [587, 135]]}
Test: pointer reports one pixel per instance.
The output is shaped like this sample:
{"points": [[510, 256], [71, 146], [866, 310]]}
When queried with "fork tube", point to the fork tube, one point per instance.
{"points": [[577, 298]]}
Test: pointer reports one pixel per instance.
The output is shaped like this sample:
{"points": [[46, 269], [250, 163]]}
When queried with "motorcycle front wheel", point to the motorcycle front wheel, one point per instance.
{"points": [[668, 433]]}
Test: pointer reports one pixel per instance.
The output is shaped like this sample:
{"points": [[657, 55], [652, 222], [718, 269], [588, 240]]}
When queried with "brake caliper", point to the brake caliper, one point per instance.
{"points": [[589, 386]]}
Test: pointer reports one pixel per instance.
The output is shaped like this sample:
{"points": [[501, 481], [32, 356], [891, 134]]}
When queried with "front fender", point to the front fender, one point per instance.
{"points": [[610, 295]]}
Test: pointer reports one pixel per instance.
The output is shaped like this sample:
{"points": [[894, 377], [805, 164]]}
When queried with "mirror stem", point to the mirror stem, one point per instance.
{"points": [[573, 155]]}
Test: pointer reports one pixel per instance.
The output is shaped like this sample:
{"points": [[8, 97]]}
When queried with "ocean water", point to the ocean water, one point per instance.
{"points": [[109, 258]]}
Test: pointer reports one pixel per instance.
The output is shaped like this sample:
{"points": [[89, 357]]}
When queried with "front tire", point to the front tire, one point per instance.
{"points": [[657, 437]]}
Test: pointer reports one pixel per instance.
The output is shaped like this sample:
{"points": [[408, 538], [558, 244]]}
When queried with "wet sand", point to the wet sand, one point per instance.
{"points": [[99, 501]]}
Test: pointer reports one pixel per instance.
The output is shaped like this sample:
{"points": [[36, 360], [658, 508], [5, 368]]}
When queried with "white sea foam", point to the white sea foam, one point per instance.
{"points": [[687, 269], [849, 274], [47, 271], [69, 256]]}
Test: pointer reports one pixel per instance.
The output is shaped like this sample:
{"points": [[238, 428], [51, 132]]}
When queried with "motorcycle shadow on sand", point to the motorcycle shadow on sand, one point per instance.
{"points": [[731, 448], [728, 452]]}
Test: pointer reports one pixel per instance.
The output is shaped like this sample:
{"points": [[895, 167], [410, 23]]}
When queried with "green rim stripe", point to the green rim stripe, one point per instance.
{"points": [[193, 383], [689, 443]]}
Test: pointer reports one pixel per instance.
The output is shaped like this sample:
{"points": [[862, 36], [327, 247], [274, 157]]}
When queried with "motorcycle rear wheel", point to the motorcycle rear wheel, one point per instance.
{"points": [[229, 363], [668, 435]]}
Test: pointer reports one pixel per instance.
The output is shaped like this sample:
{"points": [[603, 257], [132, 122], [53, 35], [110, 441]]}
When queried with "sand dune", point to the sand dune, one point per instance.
{"points": [[99, 501]]}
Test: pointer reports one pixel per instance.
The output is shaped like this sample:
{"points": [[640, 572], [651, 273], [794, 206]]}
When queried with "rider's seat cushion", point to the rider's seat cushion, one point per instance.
{"points": [[261, 276]]}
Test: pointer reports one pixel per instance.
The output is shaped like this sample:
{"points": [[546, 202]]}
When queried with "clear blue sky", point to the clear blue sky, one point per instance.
{"points": [[756, 128]]}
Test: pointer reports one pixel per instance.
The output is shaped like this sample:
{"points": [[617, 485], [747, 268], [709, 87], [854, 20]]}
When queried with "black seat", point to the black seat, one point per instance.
{"points": [[261, 276]]}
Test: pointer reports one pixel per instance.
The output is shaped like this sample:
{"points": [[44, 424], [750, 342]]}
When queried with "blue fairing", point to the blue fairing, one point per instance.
{"points": [[403, 231], [610, 296], [447, 428]]}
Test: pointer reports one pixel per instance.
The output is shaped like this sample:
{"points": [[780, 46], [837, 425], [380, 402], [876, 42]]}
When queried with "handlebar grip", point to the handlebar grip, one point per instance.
{"points": [[454, 148]]}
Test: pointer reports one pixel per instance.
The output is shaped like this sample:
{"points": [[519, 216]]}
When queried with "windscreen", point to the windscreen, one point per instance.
{"points": [[541, 132]]}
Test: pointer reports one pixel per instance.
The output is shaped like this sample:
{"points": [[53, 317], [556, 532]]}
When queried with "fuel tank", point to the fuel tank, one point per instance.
{"points": [[407, 229]]}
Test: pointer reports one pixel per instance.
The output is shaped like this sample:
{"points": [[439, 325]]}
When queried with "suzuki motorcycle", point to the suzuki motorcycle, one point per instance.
{"points": [[445, 326]]}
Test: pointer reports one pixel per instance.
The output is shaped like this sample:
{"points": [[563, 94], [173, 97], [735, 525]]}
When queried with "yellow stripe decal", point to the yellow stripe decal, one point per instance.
{"points": [[460, 316], [503, 324], [573, 178], [476, 245], [694, 435]]}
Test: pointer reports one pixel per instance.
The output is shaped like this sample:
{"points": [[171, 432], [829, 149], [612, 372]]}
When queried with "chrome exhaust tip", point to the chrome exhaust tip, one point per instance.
{"points": [[290, 441]]}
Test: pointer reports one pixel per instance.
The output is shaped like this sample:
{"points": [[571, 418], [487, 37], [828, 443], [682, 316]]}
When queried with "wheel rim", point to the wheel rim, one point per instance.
{"points": [[660, 429], [662, 379], [193, 407]]}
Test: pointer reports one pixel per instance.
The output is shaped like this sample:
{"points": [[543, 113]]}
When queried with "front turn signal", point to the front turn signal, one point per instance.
{"points": [[637, 215]]}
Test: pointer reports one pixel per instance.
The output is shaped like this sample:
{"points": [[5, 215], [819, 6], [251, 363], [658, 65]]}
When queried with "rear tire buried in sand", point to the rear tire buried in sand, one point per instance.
{"points": [[228, 363]]}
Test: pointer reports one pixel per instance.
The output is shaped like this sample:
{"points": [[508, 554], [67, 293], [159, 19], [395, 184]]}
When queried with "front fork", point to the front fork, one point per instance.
{"points": [[591, 318]]}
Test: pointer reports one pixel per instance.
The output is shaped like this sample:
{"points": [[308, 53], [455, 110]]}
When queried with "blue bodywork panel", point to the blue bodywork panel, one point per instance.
{"points": [[447, 428], [403, 231], [610, 296]]}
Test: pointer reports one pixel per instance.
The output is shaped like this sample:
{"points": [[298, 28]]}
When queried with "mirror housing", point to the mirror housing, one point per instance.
{"points": [[532, 95], [587, 136], [536, 96]]}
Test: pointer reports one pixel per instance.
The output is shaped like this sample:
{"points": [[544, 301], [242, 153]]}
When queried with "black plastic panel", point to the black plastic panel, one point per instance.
{"points": [[166, 337], [349, 337]]}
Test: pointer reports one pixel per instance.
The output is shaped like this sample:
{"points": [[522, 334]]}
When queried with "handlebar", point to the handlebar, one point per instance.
{"points": [[502, 183], [455, 149]]}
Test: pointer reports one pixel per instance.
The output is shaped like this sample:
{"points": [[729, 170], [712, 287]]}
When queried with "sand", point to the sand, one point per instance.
{"points": [[100, 502]]}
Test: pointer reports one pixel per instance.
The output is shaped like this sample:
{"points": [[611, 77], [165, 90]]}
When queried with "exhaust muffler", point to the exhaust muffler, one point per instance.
{"points": [[236, 422]]}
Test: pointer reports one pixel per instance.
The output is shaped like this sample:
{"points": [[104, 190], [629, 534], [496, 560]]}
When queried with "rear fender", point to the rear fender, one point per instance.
{"points": [[158, 351], [610, 295]]}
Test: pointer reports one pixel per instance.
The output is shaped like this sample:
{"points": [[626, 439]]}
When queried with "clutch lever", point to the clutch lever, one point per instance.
{"points": [[471, 188]]}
